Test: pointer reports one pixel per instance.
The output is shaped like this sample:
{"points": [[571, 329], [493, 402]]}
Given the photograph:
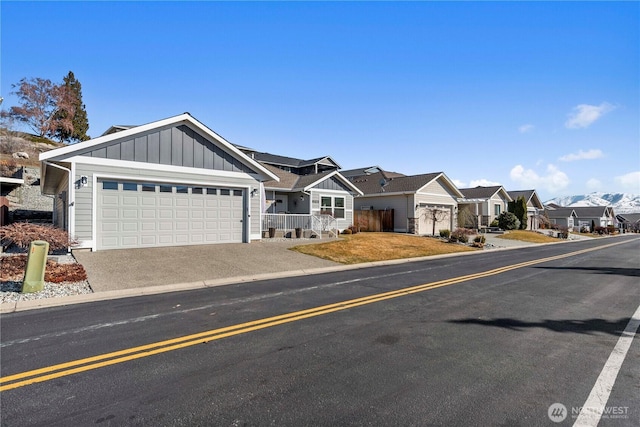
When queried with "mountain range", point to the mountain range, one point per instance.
{"points": [[621, 202]]}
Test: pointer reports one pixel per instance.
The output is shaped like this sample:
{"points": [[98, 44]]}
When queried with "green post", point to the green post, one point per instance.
{"points": [[36, 263]]}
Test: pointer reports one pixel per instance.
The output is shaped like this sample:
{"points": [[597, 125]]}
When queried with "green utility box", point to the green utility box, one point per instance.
{"points": [[36, 263]]}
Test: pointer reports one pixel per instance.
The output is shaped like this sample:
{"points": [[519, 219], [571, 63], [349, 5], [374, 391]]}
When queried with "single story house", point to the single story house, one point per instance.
{"points": [[170, 182], [564, 217], [534, 206], [305, 190], [422, 204], [629, 221], [479, 206], [600, 216]]}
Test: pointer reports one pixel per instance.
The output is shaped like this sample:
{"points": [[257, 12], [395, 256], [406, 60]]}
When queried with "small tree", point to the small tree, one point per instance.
{"points": [[40, 102], [435, 215], [508, 221], [518, 207]]}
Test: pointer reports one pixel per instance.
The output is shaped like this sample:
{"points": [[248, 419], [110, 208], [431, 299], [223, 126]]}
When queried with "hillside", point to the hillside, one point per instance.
{"points": [[18, 142], [621, 202]]}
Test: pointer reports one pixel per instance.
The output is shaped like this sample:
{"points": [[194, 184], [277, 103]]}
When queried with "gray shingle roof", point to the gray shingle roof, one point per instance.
{"points": [[480, 192], [560, 212], [591, 211], [370, 184]]}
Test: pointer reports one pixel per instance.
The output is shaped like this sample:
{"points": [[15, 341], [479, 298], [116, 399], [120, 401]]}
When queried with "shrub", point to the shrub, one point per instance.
{"points": [[347, 231], [494, 223], [480, 239], [460, 235], [599, 230], [611, 229], [354, 229], [445, 233], [508, 221], [21, 234]]}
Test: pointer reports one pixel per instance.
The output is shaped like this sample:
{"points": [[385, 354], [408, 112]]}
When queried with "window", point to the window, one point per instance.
{"points": [[166, 189], [151, 188], [225, 192], [237, 192], [497, 209], [196, 190], [212, 191], [109, 185], [181, 189], [129, 186], [334, 206]]}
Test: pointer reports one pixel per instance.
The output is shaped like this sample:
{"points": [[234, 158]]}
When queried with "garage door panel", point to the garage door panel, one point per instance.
{"points": [[131, 218]]}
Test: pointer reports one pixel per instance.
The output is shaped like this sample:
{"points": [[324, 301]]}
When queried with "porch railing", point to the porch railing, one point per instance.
{"points": [[320, 225]]}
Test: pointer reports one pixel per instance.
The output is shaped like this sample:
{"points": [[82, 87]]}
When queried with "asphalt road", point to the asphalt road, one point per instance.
{"points": [[490, 339]]}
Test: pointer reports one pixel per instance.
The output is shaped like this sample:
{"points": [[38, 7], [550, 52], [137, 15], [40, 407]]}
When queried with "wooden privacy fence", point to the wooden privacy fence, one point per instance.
{"points": [[372, 220]]}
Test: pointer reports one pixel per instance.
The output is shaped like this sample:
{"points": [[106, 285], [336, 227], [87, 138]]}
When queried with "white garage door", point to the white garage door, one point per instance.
{"points": [[139, 214], [440, 215]]}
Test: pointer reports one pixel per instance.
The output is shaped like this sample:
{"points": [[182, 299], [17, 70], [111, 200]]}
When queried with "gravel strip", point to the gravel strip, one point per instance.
{"points": [[10, 291]]}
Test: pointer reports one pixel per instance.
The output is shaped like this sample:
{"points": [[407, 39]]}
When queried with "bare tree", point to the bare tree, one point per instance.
{"points": [[435, 215], [40, 100]]}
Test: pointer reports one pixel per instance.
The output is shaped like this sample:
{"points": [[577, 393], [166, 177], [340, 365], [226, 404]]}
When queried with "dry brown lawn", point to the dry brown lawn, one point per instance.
{"points": [[369, 247], [527, 236]]}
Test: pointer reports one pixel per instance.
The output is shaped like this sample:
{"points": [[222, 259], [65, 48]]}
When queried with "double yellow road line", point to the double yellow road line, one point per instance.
{"points": [[69, 368]]}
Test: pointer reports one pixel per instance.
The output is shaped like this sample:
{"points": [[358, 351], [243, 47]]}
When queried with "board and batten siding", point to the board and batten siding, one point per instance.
{"points": [[173, 145], [83, 227]]}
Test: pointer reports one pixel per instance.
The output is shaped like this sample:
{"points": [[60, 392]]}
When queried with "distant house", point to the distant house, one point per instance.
{"points": [[304, 188], [422, 204], [534, 206], [600, 216], [479, 206], [564, 217], [629, 222]]}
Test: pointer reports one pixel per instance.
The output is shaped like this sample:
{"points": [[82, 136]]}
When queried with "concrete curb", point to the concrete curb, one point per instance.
{"points": [[12, 307]]}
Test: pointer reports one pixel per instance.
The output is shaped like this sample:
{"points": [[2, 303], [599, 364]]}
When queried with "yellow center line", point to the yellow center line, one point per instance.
{"points": [[107, 359]]}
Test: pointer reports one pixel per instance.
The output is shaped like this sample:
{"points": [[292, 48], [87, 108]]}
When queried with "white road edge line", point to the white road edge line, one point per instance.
{"points": [[594, 406]]}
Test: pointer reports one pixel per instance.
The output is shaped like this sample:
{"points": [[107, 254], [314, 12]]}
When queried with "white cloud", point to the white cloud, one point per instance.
{"points": [[582, 155], [584, 115], [554, 180], [483, 183], [594, 184], [526, 128], [459, 184], [630, 182]]}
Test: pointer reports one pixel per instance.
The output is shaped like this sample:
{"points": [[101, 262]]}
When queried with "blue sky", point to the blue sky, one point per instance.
{"points": [[540, 95]]}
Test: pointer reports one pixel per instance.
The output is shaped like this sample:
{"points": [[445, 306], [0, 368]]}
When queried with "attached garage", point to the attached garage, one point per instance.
{"points": [[168, 183], [142, 214]]}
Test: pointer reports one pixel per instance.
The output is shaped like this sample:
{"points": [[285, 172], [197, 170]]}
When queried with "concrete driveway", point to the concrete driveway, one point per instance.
{"points": [[140, 268]]}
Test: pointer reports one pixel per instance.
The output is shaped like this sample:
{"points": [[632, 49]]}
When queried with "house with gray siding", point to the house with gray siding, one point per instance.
{"points": [[422, 204], [304, 189], [167, 183], [561, 216]]}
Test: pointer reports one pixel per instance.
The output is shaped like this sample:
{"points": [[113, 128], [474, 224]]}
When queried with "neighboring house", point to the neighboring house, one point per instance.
{"points": [[423, 204], [534, 206], [304, 188], [481, 205], [600, 216], [564, 217], [170, 182], [629, 222]]}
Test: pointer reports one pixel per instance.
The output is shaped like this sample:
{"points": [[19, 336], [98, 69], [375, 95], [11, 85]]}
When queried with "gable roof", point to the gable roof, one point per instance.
{"points": [[530, 196], [380, 183], [484, 193], [629, 217], [593, 211], [275, 159], [369, 170], [561, 213], [292, 182], [67, 152]]}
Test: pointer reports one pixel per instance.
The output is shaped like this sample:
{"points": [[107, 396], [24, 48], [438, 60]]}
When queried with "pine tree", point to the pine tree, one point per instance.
{"points": [[80, 123]]}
